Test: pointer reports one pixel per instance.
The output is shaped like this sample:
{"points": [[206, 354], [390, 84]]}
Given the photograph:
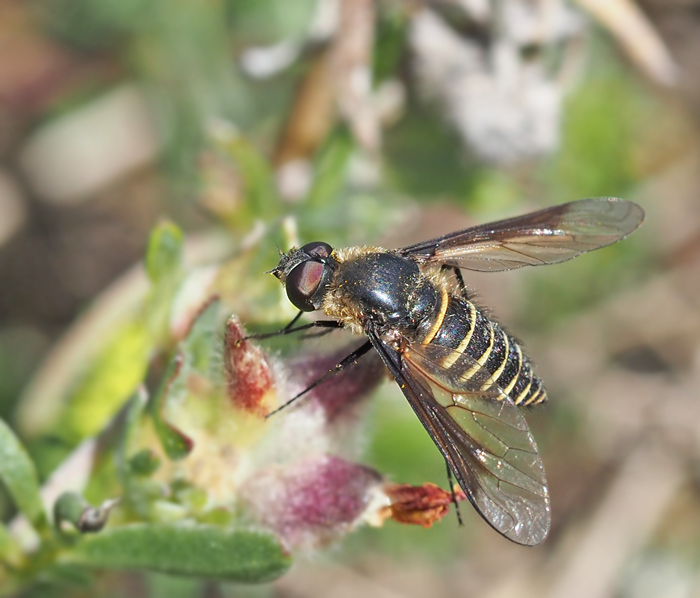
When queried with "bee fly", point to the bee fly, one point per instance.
{"points": [[464, 377]]}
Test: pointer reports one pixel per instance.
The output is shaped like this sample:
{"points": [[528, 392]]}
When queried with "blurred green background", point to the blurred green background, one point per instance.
{"points": [[259, 123]]}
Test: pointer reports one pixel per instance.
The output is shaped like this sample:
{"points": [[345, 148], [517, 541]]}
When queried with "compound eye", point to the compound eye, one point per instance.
{"points": [[317, 249], [303, 282]]}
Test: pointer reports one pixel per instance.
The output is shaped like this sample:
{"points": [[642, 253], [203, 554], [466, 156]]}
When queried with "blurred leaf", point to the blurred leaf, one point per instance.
{"points": [[144, 463], [258, 180], [330, 168], [91, 24], [196, 550], [69, 578], [426, 159], [176, 444], [132, 425], [389, 42], [18, 474], [114, 375], [21, 348], [164, 264], [268, 21], [164, 253], [162, 585], [200, 342], [237, 182], [10, 551], [194, 359], [184, 54]]}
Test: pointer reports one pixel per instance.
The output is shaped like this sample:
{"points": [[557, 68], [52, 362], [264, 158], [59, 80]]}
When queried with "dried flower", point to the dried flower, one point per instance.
{"points": [[420, 505]]}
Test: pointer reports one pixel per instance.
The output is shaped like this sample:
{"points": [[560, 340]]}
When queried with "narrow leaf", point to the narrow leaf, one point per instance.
{"points": [[133, 419], [18, 474], [193, 359], [164, 253], [196, 550], [330, 169], [261, 197], [176, 444], [111, 378], [10, 551], [165, 268]]}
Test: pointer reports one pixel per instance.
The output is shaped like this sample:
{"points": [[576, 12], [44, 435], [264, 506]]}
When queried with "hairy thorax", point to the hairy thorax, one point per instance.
{"points": [[374, 286]]}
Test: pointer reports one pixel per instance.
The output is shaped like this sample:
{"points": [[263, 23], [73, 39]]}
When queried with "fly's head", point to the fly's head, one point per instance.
{"points": [[306, 273]]}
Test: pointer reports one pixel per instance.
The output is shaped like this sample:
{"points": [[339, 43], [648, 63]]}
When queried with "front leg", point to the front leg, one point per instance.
{"points": [[343, 364], [288, 329]]}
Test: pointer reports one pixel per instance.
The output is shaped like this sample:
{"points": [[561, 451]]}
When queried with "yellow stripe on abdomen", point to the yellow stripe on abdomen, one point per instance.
{"points": [[445, 299], [484, 356], [511, 384], [450, 359]]}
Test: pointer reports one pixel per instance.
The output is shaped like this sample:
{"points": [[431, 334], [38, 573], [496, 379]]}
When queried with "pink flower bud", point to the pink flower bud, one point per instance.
{"points": [[313, 502], [249, 377]]}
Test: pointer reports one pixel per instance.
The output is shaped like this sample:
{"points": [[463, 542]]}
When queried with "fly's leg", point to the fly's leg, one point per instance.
{"points": [[294, 320], [350, 360], [451, 482], [290, 329]]}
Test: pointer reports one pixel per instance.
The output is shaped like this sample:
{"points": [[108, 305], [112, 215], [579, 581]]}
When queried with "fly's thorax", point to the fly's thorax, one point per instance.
{"points": [[375, 285]]}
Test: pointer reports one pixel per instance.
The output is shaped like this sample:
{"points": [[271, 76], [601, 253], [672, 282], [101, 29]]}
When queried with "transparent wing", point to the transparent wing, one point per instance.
{"points": [[482, 435], [548, 236]]}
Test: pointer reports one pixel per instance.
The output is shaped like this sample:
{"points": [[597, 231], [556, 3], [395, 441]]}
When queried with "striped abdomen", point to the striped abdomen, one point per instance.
{"points": [[459, 325]]}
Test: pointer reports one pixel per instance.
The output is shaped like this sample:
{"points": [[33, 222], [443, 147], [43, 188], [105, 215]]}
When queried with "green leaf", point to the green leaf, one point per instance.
{"points": [[194, 358], [176, 444], [330, 170], [18, 474], [10, 551], [112, 378], [260, 190], [164, 264], [192, 550], [144, 463], [91, 25], [164, 253], [389, 43], [133, 420], [199, 344]]}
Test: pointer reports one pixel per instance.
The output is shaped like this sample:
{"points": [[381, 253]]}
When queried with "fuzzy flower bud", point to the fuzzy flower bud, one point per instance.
{"points": [[249, 376], [313, 502]]}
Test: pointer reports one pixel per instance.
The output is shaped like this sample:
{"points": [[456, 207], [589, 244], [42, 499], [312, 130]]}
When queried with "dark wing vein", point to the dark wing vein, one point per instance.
{"points": [[549, 236]]}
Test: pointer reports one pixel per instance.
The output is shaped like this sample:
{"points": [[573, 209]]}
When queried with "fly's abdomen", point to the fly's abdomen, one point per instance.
{"points": [[461, 326]]}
